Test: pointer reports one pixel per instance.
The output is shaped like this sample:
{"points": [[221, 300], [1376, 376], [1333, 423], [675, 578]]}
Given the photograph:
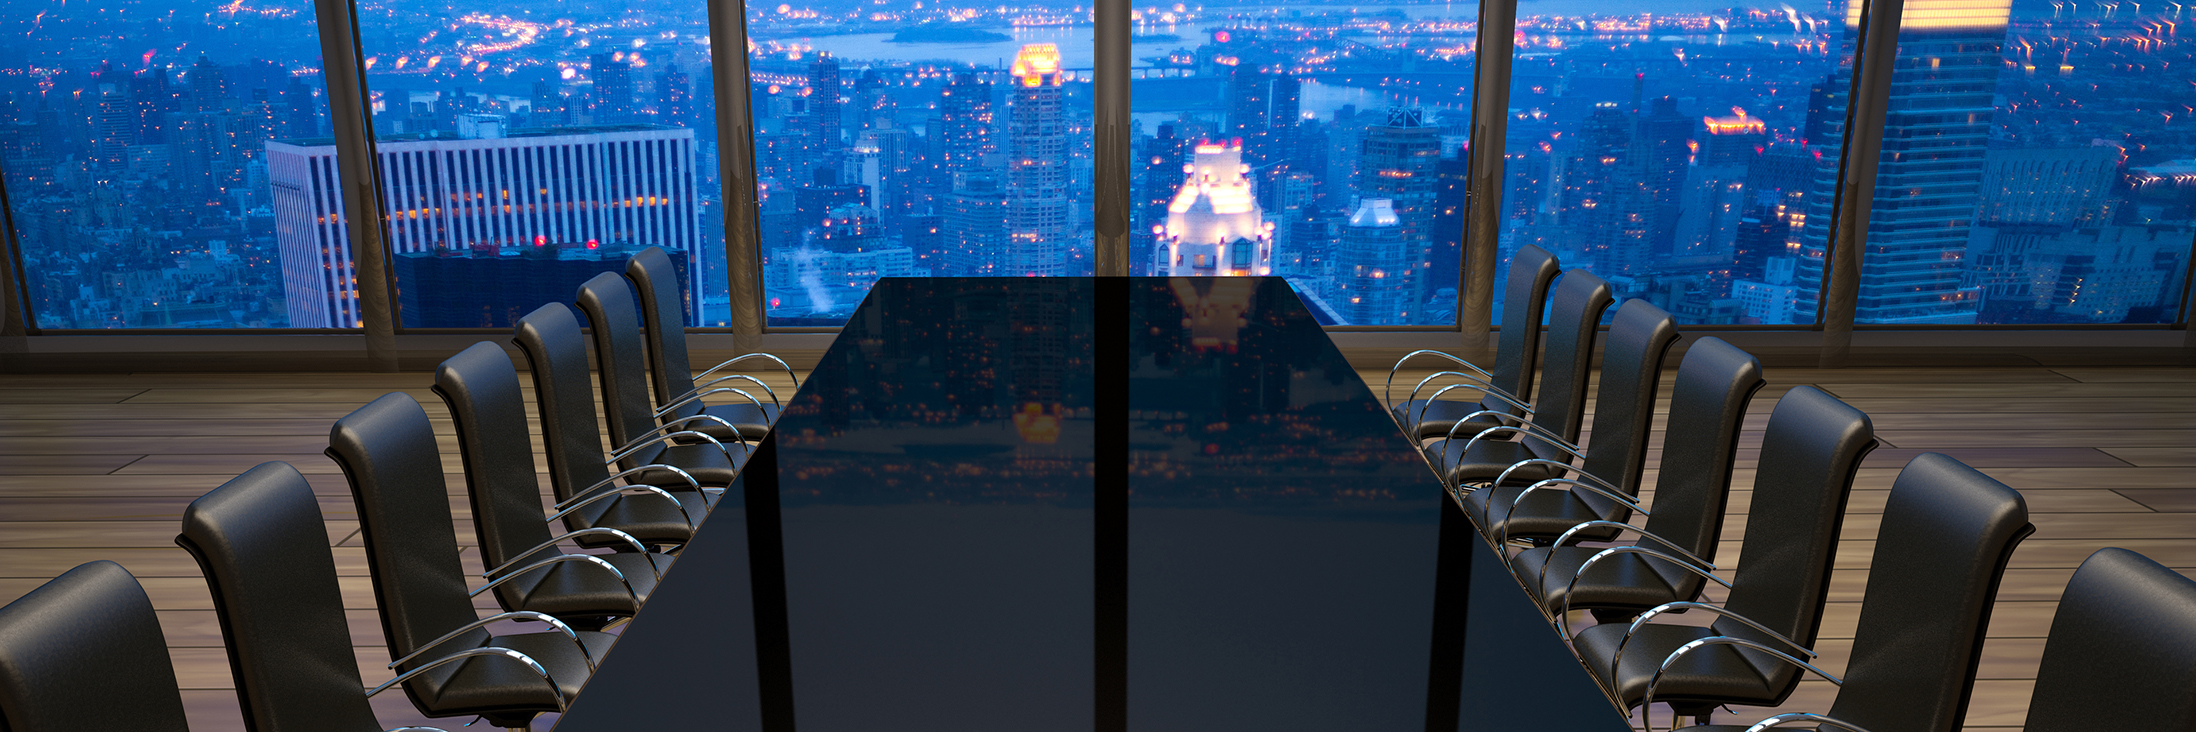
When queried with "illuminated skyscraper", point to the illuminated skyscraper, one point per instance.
{"points": [[825, 117], [1930, 177], [965, 137], [531, 188], [1368, 286], [1399, 161], [1214, 226], [1039, 223], [613, 92]]}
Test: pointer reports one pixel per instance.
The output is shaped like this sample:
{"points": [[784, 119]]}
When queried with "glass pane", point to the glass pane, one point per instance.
{"points": [[1322, 142], [1679, 150], [525, 149], [141, 153], [2034, 169], [914, 142]]}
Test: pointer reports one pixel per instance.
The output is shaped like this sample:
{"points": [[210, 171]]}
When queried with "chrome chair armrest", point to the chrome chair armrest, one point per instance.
{"points": [[472, 653], [1484, 392], [1563, 616], [604, 530], [667, 437], [1584, 479], [697, 396], [1504, 537], [1523, 428], [758, 382], [1624, 528], [1445, 467], [1387, 392], [644, 488], [589, 492], [1779, 720], [1472, 382], [590, 559], [758, 354], [1721, 640], [1533, 430], [478, 624], [1641, 621], [745, 445]]}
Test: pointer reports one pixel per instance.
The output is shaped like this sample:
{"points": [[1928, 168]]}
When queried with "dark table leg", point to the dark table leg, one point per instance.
{"points": [[766, 565], [1111, 361], [1452, 597]]}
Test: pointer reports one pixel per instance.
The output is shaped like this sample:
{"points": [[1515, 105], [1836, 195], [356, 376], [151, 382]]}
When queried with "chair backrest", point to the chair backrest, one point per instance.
{"points": [[608, 302], [1638, 343], [2122, 650], [663, 315], [1524, 309], [1809, 454], [1708, 404], [1947, 534], [1574, 321], [556, 355], [482, 389], [387, 450], [263, 547], [83, 652]]}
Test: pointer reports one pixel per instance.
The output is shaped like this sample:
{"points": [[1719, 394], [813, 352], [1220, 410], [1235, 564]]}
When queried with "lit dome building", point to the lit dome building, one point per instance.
{"points": [[1214, 226]]}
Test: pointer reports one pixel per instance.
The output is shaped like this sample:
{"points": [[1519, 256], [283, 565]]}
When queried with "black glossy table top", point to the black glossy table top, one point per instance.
{"points": [[950, 561]]}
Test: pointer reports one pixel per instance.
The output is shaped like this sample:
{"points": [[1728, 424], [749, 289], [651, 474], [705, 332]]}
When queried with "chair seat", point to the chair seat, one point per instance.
{"points": [[1620, 582], [704, 461], [492, 687], [1542, 516], [754, 424], [1440, 416], [645, 516], [581, 593], [1716, 675]]}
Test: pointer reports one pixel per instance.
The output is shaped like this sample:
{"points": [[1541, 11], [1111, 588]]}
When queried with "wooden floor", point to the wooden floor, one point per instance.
{"points": [[100, 467]]}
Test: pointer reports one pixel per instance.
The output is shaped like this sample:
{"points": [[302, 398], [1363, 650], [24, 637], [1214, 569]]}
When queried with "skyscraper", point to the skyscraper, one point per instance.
{"points": [[824, 110], [1398, 163], [1039, 222], [1604, 195], [1930, 178], [965, 137], [613, 93], [497, 193], [1369, 288], [675, 97], [1214, 225]]}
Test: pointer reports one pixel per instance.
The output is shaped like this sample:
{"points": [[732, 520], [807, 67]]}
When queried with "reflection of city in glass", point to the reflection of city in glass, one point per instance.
{"points": [[169, 164], [133, 136]]}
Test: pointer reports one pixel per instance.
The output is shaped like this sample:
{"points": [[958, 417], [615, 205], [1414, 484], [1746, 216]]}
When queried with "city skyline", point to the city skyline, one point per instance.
{"points": [[1687, 155]]}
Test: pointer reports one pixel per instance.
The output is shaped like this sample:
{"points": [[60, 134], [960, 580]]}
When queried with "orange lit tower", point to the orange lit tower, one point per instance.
{"points": [[1039, 224]]}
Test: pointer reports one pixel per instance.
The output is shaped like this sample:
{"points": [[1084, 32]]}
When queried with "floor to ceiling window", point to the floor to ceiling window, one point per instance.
{"points": [[2039, 166], [1679, 150], [899, 139], [525, 148], [1319, 141], [137, 145]]}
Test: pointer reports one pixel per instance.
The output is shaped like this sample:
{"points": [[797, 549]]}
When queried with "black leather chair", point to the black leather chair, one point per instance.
{"points": [[1509, 379], [1708, 404], [556, 354], [524, 565], [1580, 299], [387, 451], [623, 381], [261, 543], [1608, 473], [84, 652], [1947, 534], [672, 375], [1813, 445]]}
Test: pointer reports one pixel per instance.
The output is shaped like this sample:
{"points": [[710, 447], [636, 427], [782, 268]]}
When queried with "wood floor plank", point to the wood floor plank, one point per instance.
{"points": [[2102, 438], [76, 428], [1957, 390], [55, 465], [2128, 375], [355, 397], [2017, 404], [230, 465], [2176, 500], [170, 445], [2001, 457], [2156, 457], [67, 396]]}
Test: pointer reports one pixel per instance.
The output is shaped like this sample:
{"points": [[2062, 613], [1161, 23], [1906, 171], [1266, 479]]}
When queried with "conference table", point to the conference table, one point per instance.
{"points": [[1087, 504]]}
